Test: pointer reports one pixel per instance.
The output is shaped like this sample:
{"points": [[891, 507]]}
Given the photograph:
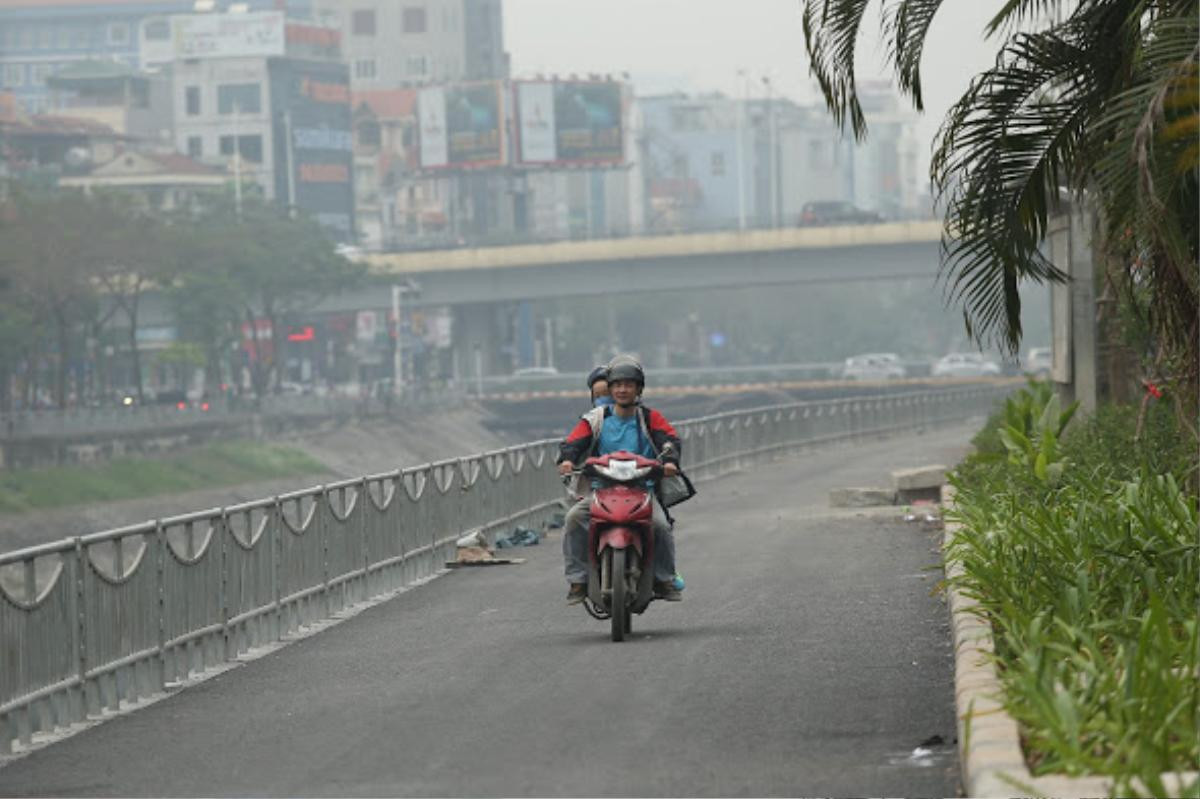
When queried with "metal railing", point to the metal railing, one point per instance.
{"points": [[96, 622]]}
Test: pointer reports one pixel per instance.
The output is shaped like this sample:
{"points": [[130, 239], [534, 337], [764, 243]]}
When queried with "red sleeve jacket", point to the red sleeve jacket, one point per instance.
{"points": [[579, 443]]}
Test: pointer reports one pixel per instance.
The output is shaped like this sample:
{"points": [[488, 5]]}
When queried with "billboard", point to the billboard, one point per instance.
{"points": [[461, 126], [570, 122], [227, 35], [312, 130]]}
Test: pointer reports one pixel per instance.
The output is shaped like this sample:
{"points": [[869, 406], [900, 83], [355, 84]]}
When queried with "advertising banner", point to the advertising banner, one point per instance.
{"points": [[312, 131], [587, 122], [535, 110], [461, 126], [431, 121], [228, 35], [570, 122]]}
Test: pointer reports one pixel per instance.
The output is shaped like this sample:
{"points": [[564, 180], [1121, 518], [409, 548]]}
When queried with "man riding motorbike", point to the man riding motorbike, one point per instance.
{"points": [[626, 425]]}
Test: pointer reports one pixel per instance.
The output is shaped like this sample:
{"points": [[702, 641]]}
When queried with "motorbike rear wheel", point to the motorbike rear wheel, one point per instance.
{"points": [[617, 606]]}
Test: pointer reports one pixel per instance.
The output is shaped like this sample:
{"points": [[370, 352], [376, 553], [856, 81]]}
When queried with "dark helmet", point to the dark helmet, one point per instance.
{"points": [[599, 373], [626, 367]]}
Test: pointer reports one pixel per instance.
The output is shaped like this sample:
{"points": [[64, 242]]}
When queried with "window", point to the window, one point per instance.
{"points": [[363, 22], [413, 19], [195, 147], [14, 75], [81, 38], [118, 34], [679, 166], [718, 164], [249, 146], [368, 134], [157, 29], [416, 65], [239, 98], [192, 101], [45, 38], [364, 68], [38, 74]]}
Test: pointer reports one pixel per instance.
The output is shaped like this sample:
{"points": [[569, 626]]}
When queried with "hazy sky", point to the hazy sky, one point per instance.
{"points": [[699, 45]]}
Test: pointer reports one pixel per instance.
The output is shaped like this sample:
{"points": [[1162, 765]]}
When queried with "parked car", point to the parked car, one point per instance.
{"points": [[836, 213], [873, 366], [1039, 361], [965, 364], [536, 371]]}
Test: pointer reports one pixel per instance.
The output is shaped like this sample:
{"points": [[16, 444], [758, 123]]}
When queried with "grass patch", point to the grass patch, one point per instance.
{"points": [[216, 465], [1081, 548]]}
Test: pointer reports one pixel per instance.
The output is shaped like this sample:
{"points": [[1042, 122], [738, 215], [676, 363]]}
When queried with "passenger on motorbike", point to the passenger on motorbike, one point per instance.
{"points": [[626, 425], [597, 382]]}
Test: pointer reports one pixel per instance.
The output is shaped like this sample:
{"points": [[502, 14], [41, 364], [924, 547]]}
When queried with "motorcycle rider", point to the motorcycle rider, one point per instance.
{"points": [[625, 425]]}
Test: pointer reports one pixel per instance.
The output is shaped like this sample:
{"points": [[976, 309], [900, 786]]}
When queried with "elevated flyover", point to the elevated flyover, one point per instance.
{"points": [[890, 251]]}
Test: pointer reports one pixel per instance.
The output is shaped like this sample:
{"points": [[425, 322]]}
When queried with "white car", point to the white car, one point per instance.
{"points": [[873, 366], [965, 364], [536, 371], [1039, 361]]}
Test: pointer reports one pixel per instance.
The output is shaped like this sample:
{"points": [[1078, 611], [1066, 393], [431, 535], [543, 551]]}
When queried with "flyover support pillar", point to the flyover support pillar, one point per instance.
{"points": [[477, 342]]}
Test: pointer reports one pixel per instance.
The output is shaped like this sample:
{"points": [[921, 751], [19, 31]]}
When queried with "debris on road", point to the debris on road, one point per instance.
{"points": [[861, 497], [479, 556], [518, 537]]}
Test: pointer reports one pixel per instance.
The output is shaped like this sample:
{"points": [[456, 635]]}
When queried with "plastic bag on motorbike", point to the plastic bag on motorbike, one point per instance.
{"points": [[673, 490]]}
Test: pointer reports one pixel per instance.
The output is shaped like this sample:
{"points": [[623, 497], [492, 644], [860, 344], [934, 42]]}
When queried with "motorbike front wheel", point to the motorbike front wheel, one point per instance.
{"points": [[617, 605]]}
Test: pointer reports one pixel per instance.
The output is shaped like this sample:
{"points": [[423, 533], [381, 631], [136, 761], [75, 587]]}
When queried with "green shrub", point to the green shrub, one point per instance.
{"points": [[1091, 581]]}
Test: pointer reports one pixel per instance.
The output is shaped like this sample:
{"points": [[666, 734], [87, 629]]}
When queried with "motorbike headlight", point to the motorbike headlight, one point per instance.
{"points": [[625, 471]]}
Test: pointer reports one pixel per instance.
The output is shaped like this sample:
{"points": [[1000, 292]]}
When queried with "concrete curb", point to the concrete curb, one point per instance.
{"points": [[989, 745]]}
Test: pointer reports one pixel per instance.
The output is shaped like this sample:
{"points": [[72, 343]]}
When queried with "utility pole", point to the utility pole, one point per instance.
{"points": [[237, 162], [741, 147], [398, 350], [290, 147], [772, 154]]}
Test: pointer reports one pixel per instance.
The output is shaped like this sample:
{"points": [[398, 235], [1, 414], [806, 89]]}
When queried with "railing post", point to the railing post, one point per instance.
{"points": [[87, 694], [160, 565], [323, 515], [229, 650], [276, 564], [364, 524]]}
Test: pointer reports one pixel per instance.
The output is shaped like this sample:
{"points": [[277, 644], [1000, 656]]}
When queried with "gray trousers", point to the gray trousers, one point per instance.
{"points": [[575, 542]]}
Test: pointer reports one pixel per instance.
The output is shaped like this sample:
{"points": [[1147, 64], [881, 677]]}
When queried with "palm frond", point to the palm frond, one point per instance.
{"points": [[830, 33], [906, 30]]}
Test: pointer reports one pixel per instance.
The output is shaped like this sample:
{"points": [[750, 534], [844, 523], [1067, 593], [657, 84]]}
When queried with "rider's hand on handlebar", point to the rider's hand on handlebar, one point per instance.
{"points": [[670, 470], [565, 468]]}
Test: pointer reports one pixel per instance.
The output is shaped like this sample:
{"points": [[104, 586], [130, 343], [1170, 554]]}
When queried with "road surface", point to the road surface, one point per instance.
{"points": [[810, 657]]}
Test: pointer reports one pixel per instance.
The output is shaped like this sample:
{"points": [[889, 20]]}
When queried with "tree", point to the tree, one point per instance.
{"points": [[50, 246], [268, 265], [1102, 103]]}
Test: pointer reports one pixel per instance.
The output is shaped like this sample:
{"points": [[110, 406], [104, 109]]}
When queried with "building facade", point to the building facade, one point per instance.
{"points": [[270, 101], [40, 37], [390, 45], [714, 162]]}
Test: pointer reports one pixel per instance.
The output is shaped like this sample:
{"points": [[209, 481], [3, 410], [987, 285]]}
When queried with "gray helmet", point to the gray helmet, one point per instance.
{"points": [[626, 367], [599, 373]]}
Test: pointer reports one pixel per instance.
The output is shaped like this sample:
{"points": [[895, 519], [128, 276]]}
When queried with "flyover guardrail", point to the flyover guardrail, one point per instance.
{"points": [[97, 622]]}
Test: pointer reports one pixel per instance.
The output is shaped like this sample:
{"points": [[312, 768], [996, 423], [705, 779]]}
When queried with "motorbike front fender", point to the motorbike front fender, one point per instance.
{"points": [[619, 538]]}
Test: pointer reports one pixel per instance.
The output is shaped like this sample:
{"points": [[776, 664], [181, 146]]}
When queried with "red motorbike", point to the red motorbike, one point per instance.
{"points": [[620, 538]]}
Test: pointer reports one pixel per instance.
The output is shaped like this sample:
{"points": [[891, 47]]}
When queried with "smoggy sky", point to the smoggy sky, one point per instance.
{"points": [[700, 45]]}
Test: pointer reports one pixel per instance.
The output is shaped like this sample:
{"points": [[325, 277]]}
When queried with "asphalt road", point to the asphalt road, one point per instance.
{"points": [[810, 657]]}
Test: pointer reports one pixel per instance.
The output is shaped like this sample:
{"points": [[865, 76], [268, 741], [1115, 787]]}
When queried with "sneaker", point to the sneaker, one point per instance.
{"points": [[667, 591], [577, 593]]}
